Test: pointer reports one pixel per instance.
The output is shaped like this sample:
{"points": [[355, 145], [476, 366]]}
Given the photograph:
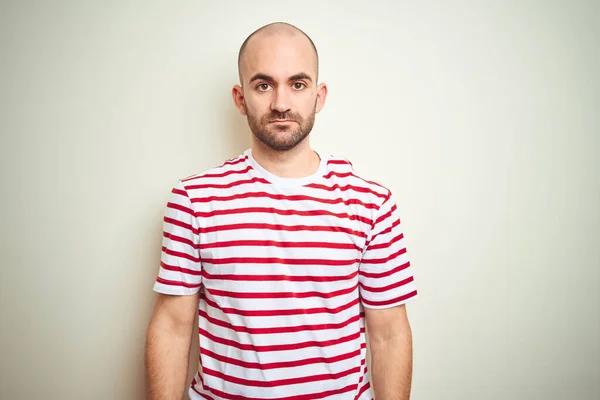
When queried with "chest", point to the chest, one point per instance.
{"points": [[281, 235]]}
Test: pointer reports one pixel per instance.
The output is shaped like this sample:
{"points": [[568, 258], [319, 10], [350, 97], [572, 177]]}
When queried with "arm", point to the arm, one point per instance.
{"points": [[386, 284], [390, 342], [168, 345], [178, 283]]}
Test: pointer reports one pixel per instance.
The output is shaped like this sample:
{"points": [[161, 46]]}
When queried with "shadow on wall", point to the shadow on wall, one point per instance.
{"points": [[237, 134]]}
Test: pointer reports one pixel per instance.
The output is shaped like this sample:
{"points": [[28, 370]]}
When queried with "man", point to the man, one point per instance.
{"points": [[285, 253]]}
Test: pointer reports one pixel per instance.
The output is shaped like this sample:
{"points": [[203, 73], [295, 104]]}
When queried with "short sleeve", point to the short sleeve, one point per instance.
{"points": [[180, 266], [385, 274]]}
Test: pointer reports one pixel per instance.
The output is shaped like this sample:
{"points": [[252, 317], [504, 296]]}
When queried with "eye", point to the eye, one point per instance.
{"points": [[263, 87], [299, 85]]}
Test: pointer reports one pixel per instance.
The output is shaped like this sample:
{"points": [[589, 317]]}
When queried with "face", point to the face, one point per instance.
{"points": [[279, 96]]}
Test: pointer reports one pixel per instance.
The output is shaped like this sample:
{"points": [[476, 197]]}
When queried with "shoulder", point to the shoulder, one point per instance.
{"points": [[232, 166], [342, 169]]}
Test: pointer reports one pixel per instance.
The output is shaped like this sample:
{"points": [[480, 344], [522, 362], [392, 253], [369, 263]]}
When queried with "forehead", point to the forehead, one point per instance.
{"points": [[279, 56]]}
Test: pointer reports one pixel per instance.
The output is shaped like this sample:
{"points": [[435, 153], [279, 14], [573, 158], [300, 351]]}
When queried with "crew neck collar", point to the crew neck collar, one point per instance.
{"points": [[288, 182]]}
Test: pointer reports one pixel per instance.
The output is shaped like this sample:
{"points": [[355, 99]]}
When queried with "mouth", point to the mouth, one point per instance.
{"points": [[282, 121]]}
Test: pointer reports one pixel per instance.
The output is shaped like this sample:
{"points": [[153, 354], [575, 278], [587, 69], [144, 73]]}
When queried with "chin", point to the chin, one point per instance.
{"points": [[284, 133]]}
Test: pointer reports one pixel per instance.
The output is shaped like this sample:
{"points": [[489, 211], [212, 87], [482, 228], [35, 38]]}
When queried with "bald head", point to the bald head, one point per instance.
{"points": [[274, 31]]}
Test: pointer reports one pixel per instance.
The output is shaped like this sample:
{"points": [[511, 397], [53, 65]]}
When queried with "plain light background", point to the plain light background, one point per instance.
{"points": [[481, 117]]}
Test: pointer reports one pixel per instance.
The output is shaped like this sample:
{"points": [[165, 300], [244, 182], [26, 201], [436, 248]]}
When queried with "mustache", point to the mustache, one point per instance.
{"points": [[273, 115]]}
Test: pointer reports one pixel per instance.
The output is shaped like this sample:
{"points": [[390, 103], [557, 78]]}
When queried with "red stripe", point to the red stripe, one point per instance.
{"points": [[280, 382], [363, 389], [346, 188], [388, 287], [363, 362], [338, 174], [277, 365], [352, 174], [180, 254], [311, 396], [390, 301], [277, 329], [384, 260], [384, 273], [249, 195], [221, 175], [180, 239], [386, 215], [292, 228], [271, 313], [205, 396], [180, 192], [273, 243], [290, 278], [275, 260], [177, 283], [339, 162], [179, 269], [278, 347], [234, 161], [271, 210], [385, 245], [385, 231], [227, 185], [281, 295], [180, 224]]}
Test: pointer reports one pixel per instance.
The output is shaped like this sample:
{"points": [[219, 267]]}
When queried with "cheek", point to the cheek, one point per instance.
{"points": [[257, 105], [308, 104]]}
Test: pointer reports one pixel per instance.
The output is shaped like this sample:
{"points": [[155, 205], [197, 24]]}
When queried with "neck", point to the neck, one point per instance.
{"points": [[299, 162]]}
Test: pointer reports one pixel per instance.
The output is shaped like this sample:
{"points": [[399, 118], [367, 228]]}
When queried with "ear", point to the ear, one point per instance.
{"points": [[321, 96], [238, 98]]}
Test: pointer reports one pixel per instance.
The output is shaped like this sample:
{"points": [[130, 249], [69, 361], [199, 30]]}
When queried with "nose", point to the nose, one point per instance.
{"points": [[281, 99]]}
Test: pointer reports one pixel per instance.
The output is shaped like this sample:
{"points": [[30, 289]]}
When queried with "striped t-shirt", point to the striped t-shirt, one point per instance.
{"points": [[284, 268]]}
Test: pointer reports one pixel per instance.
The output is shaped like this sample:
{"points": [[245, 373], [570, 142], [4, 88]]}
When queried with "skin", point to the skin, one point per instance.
{"points": [[390, 342], [168, 343], [279, 95]]}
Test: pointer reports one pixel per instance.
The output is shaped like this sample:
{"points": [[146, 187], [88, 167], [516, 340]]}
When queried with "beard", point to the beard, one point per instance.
{"points": [[281, 137]]}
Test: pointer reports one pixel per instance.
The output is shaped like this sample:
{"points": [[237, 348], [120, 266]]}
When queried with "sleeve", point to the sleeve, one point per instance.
{"points": [[180, 266], [385, 275]]}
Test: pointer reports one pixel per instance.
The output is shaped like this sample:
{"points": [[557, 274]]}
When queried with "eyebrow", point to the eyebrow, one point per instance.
{"points": [[262, 77], [300, 76], [268, 78]]}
